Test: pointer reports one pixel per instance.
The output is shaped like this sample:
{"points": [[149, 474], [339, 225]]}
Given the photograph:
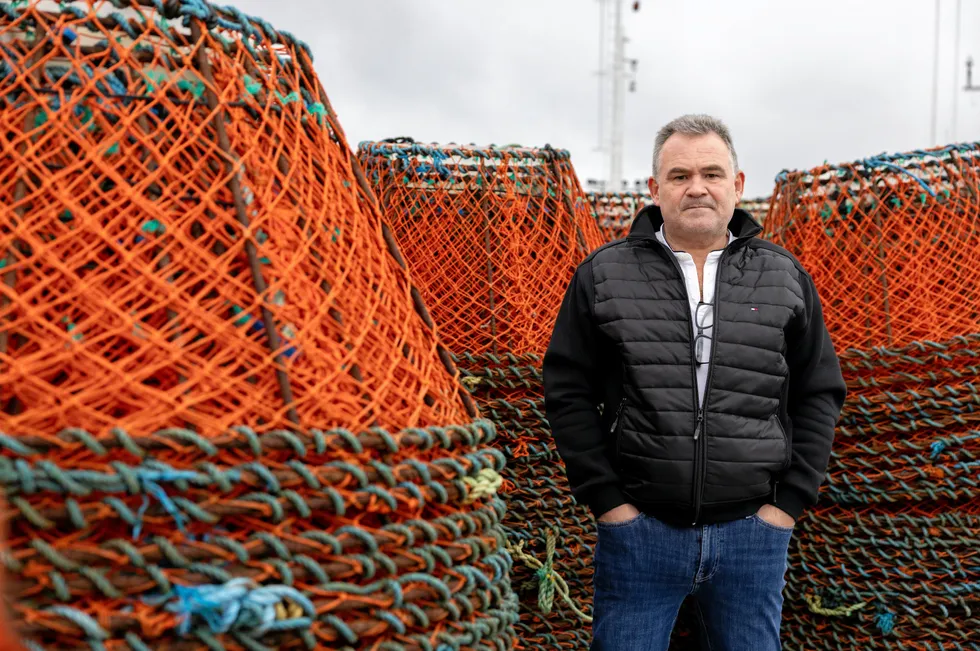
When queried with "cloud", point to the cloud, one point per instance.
{"points": [[798, 83]]}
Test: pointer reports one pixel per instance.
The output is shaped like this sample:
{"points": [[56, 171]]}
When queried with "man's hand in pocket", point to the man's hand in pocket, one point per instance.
{"points": [[776, 517], [621, 513]]}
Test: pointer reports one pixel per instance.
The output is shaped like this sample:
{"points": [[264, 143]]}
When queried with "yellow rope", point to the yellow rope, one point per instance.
{"points": [[470, 382], [485, 484], [815, 604], [288, 610]]}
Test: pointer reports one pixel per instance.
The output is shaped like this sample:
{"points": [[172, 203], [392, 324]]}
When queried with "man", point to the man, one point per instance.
{"points": [[720, 391]]}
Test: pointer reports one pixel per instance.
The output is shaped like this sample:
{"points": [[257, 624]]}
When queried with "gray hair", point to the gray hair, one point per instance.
{"points": [[693, 125]]}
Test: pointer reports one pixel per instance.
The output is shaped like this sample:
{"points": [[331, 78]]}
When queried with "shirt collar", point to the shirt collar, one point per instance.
{"points": [[663, 239]]}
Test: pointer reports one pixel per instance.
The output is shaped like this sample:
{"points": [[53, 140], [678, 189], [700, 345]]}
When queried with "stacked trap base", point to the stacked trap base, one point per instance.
{"points": [[493, 236], [284, 540], [887, 560], [551, 536], [226, 420]]}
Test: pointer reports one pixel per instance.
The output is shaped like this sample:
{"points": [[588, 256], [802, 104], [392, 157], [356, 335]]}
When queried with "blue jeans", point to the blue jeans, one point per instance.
{"points": [[644, 569]]}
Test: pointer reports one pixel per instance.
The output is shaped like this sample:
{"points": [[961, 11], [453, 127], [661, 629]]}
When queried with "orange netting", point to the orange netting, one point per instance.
{"points": [[226, 420], [492, 235], [186, 243], [892, 243], [614, 211]]}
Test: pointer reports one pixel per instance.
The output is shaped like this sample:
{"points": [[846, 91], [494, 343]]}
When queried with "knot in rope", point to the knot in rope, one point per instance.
{"points": [[485, 484]]}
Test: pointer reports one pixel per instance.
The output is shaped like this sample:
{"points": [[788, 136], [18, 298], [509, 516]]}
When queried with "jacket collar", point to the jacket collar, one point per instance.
{"points": [[648, 221]]}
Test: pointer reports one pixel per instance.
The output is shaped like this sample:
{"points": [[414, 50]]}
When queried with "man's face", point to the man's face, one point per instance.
{"points": [[697, 189]]}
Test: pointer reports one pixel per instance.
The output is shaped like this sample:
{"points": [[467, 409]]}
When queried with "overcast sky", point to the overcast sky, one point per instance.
{"points": [[799, 83]]}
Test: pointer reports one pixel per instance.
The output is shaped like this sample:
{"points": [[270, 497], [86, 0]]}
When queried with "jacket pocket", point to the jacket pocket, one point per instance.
{"points": [[787, 444], [782, 417]]}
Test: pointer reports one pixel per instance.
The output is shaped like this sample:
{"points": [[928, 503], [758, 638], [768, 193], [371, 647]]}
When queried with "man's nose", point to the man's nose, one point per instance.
{"points": [[697, 187]]}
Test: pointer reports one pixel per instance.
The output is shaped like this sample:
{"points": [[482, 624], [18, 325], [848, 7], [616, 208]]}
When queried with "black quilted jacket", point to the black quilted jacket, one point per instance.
{"points": [[623, 338]]}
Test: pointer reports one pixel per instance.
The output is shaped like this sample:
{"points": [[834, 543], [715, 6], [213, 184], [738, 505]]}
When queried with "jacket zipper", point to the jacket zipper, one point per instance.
{"points": [[701, 447], [612, 430], [619, 413], [700, 451], [699, 422]]}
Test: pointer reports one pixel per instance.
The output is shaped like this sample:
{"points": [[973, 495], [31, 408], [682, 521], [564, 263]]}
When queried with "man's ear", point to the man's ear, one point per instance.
{"points": [[654, 190], [739, 186]]}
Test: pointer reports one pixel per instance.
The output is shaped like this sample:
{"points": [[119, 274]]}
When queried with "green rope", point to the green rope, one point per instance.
{"points": [[548, 580]]}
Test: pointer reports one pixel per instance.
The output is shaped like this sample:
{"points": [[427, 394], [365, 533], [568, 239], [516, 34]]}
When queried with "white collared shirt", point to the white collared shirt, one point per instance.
{"points": [[695, 294]]}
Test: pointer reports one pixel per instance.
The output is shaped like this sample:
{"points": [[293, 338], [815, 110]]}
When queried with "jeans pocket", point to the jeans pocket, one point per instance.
{"points": [[768, 525], [620, 525]]}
